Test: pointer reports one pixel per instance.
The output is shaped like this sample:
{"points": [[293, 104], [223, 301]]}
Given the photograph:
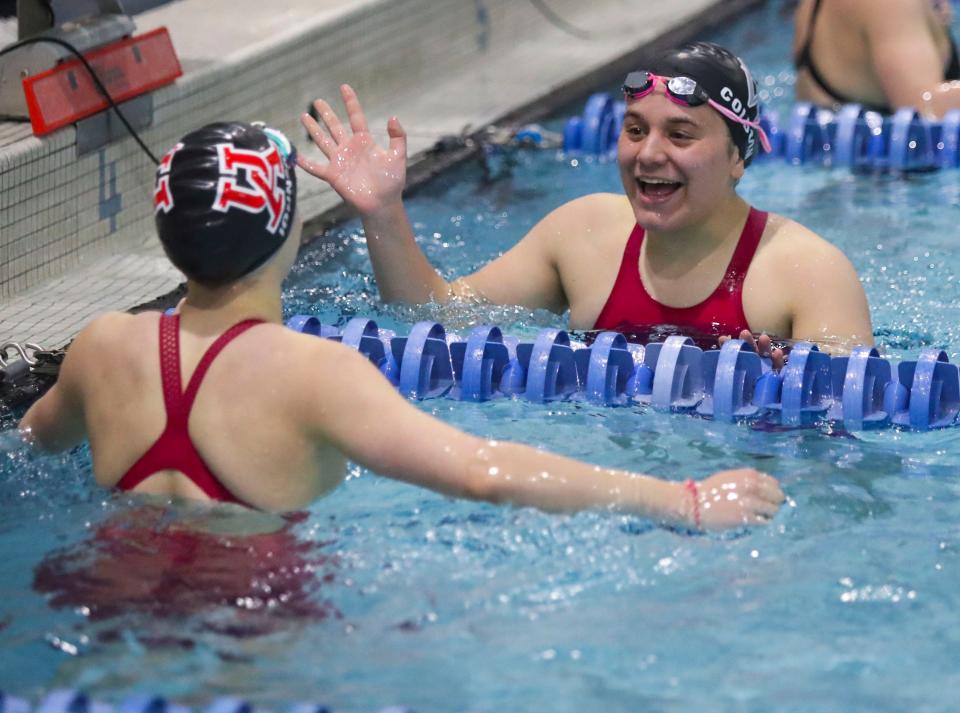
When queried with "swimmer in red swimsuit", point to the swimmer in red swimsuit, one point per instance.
{"points": [[269, 416], [678, 245]]}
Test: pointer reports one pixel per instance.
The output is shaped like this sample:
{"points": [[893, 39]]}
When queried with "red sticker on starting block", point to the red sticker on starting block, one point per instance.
{"points": [[128, 68]]}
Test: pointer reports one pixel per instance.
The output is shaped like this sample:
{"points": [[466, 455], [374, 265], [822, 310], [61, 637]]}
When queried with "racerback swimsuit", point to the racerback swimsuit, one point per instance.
{"points": [[174, 449], [804, 60], [631, 309]]}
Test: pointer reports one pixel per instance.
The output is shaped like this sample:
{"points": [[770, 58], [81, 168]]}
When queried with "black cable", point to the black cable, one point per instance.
{"points": [[93, 75], [560, 23]]}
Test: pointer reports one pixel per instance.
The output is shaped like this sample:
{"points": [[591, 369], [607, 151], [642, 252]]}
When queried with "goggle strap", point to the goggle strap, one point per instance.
{"points": [[286, 148], [764, 139]]}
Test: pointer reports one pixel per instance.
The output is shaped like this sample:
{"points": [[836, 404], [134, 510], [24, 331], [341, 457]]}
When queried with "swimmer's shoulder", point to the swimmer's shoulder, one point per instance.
{"points": [[287, 351], [596, 208], [317, 380], [787, 235], [110, 342], [113, 332], [594, 214], [788, 246]]}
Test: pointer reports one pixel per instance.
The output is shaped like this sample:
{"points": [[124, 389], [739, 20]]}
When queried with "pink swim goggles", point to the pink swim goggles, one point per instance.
{"points": [[686, 92]]}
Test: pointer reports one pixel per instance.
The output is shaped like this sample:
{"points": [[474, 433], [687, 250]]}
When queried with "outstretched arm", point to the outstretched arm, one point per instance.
{"points": [[373, 425]]}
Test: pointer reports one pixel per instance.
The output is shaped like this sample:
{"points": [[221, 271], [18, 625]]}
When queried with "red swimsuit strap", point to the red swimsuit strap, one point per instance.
{"points": [[174, 449], [746, 248], [732, 281], [170, 367], [179, 403], [629, 305]]}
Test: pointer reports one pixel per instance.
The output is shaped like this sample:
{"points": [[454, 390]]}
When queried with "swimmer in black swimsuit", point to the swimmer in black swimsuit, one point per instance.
{"points": [[883, 53]]}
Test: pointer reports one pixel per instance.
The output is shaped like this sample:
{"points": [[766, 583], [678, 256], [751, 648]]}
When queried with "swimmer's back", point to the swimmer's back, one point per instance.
{"points": [[249, 422], [841, 49]]}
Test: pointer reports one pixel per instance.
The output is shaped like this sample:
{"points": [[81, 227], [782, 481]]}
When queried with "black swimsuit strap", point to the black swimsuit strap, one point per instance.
{"points": [[802, 58], [953, 65]]}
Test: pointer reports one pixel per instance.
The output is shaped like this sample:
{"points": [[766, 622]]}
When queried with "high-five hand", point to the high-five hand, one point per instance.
{"points": [[368, 177]]}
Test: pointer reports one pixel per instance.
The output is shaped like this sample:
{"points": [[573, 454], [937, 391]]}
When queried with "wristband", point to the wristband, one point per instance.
{"points": [[691, 487]]}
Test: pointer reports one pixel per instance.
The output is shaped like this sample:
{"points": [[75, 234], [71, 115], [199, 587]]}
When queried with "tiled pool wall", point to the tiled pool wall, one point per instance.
{"points": [[67, 220]]}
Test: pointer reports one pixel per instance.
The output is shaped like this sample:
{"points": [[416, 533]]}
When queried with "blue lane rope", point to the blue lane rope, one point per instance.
{"points": [[859, 391], [852, 137]]}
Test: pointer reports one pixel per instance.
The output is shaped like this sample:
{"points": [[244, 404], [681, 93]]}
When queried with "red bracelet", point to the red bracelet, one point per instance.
{"points": [[691, 486]]}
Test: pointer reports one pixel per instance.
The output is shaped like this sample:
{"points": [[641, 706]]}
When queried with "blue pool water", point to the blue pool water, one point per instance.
{"points": [[395, 595]]}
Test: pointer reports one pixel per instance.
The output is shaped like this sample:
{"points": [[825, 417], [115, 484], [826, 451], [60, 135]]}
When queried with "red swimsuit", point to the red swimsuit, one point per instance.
{"points": [[174, 450], [630, 308]]}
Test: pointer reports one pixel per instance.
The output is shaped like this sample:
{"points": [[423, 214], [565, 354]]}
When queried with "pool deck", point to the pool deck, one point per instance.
{"points": [[514, 58]]}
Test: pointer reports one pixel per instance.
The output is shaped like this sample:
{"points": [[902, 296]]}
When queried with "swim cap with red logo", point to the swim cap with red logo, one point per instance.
{"points": [[224, 200]]}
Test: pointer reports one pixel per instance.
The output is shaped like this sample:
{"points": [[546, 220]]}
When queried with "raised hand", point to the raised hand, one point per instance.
{"points": [[733, 498], [368, 177]]}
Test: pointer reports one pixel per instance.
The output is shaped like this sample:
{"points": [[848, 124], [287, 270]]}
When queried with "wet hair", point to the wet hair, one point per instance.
{"points": [[224, 200], [725, 78]]}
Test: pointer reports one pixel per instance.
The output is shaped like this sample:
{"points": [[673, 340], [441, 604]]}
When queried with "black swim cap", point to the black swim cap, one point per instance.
{"points": [[725, 78], [224, 200]]}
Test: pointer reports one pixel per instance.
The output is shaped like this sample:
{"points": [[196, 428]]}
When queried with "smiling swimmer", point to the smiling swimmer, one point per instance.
{"points": [[677, 246]]}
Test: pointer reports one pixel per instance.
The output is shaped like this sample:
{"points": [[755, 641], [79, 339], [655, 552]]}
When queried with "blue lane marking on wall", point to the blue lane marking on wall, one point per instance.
{"points": [[483, 22], [111, 202]]}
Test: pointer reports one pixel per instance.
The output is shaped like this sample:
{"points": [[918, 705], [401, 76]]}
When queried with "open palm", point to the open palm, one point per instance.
{"points": [[367, 176]]}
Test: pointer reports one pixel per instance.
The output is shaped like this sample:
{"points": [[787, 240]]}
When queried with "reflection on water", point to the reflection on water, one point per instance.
{"points": [[144, 563], [156, 582]]}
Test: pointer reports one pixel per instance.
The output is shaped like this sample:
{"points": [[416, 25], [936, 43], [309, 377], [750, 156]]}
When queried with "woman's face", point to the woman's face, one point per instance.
{"points": [[677, 163]]}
